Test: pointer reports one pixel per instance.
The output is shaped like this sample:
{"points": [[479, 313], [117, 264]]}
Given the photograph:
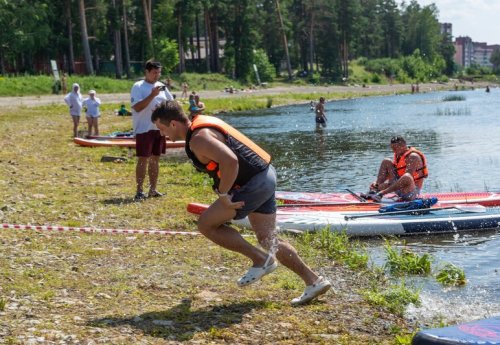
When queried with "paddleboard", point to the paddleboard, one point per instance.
{"points": [[114, 136], [481, 332], [434, 221], [129, 143], [106, 137], [489, 199]]}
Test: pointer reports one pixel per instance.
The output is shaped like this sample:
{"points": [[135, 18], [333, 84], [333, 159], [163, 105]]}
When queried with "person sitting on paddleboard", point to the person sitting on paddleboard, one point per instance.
{"points": [[320, 113], [403, 175]]}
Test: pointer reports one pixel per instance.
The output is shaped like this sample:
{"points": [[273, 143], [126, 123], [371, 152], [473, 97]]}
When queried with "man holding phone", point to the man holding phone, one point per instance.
{"points": [[146, 95]]}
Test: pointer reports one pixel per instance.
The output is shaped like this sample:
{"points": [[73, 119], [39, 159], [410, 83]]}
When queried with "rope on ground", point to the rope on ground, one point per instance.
{"points": [[96, 230]]}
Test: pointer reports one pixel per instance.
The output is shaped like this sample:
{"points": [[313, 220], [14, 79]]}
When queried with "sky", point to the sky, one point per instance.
{"points": [[478, 19]]}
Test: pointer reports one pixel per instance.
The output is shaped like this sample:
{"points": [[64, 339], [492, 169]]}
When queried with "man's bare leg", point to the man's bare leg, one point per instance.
{"points": [[386, 174], [264, 226], [153, 170], [404, 184], [140, 172], [211, 225]]}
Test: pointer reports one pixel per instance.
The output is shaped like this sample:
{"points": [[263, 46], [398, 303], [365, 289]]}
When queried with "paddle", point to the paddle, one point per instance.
{"points": [[463, 208], [314, 204], [356, 195]]}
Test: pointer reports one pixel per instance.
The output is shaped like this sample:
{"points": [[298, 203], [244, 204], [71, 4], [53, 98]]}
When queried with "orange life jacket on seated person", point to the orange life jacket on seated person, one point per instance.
{"points": [[252, 159], [400, 164]]}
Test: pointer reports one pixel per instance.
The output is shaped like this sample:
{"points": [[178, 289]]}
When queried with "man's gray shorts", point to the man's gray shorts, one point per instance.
{"points": [[258, 194]]}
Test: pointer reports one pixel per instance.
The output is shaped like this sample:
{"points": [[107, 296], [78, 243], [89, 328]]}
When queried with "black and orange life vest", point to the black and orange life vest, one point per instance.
{"points": [[252, 159], [400, 164]]}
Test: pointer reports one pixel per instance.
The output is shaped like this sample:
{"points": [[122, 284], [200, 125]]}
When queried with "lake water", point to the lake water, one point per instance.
{"points": [[461, 140]]}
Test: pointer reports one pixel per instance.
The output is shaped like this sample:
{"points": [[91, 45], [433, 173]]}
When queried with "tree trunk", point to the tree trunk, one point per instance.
{"points": [[182, 58], [345, 58], [85, 38], [71, 53], [207, 40], [125, 40], [192, 48], [214, 42], [117, 37], [285, 42], [149, 27], [198, 48], [2, 62], [311, 44]]}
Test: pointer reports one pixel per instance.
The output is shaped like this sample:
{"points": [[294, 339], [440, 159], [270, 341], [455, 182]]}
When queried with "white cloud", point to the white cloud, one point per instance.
{"points": [[478, 19]]}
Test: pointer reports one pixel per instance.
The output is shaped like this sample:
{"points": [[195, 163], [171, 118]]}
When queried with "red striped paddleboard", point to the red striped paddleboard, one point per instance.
{"points": [[129, 143], [489, 199]]}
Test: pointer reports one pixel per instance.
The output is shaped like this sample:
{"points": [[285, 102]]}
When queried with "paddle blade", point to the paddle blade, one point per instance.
{"points": [[474, 208]]}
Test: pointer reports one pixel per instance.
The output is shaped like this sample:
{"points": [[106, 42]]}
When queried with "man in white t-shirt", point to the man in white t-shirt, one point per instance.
{"points": [[146, 95]]}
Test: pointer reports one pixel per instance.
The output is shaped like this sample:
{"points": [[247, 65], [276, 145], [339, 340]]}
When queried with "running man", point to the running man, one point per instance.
{"points": [[245, 183]]}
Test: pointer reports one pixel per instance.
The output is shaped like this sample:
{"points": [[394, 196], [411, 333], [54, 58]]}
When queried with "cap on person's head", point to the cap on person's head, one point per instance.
{"points": [[151, 64], [398, 140], [92, 92]]}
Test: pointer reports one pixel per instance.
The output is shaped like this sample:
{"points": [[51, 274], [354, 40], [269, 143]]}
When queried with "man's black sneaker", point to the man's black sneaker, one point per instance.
{"points": [[139, 196]]}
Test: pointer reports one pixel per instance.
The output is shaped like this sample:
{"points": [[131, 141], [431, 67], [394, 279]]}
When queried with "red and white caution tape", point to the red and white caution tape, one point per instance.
{"points": [[96, 230]]}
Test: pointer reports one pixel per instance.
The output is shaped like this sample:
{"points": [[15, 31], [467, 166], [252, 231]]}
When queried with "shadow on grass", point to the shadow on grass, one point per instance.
{"points": [[119, 201], [181, 323]]}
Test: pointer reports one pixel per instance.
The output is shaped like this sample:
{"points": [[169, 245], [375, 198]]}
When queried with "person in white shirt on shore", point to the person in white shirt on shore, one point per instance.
{"points": [[91, 105], [146, 95], [74, 101]]}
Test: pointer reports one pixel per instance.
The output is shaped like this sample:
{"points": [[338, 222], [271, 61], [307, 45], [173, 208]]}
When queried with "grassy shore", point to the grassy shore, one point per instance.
{"points": [[151, 289]]}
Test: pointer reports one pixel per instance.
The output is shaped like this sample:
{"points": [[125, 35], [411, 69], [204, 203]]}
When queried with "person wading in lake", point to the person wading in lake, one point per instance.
{"points": [[245, 183], [320, 113], [403, 175]]}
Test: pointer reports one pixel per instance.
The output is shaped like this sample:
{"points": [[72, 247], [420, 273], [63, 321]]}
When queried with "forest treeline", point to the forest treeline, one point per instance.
{"points": [[314, 37]]}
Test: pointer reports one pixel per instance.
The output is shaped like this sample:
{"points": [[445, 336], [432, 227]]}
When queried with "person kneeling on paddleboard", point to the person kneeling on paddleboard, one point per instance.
{"points": [[245, 183], [403, 175]]}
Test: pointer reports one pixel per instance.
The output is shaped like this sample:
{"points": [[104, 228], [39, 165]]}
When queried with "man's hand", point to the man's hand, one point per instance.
{"points": [[156, 91], [225, 200]]}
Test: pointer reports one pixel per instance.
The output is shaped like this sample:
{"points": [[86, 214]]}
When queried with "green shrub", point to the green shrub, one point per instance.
{"points": [[453, 98], [451, 275], [267, 72], [376, 79], [395, 298], [407, 262], [336, 245]]}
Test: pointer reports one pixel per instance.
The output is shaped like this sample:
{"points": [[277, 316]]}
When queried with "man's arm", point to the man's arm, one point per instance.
{"points": [[141, 105], [413, 162], [207, 146]]}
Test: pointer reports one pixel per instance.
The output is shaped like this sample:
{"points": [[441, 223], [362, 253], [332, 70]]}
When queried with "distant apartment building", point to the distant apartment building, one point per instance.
{"points": [[468, 52], [482, 53], [464, 50], [446, 28]]}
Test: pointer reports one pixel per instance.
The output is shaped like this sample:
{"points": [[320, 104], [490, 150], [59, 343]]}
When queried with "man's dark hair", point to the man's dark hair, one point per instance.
{"points": [[151, 64], [169, 111], [398, 140]]}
